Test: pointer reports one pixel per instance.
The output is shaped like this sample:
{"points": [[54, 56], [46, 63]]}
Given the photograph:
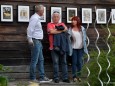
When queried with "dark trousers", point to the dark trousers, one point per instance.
{"points": [[55, 58], [77, 62]]}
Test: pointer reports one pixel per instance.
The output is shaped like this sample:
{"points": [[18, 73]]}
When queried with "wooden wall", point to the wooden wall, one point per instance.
{"points": [[14, 49]]}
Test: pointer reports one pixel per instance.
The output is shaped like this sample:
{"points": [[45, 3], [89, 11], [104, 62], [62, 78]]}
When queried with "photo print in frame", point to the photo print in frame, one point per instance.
{"points": [[23, 13], [71, 12], [86, 15], [6, 13]]}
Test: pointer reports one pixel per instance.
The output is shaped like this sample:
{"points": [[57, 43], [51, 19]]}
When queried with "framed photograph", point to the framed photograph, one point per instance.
{"points": [[6, 13], [70, 13], [58, 10], [113, 16], [101, 16], [23, 13], [43, 18], [86, 15]]}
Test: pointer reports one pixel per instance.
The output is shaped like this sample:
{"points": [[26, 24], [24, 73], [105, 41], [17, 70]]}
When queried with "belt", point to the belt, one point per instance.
{"points": [[37, 39]]}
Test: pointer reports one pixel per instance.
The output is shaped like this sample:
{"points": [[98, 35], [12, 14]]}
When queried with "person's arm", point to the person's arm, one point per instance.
{"points": [[30, 30], [85, 35], [65, 28], [53, 30]]}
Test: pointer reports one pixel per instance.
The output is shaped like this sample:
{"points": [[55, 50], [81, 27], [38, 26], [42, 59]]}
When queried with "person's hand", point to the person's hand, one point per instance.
{"points": [[31, 44]]}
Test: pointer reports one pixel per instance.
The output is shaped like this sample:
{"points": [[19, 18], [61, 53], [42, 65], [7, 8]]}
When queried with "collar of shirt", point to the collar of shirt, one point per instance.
{"points": [[37, 15]]}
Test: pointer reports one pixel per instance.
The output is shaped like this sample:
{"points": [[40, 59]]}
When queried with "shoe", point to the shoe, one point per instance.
{"points": [[56, 80], [74, 79], [66, 80], [78, 79], [45, 80]]}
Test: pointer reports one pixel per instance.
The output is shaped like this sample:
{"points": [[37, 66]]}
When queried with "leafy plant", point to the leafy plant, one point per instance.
{"points": [[94, 68], [3, 79]]}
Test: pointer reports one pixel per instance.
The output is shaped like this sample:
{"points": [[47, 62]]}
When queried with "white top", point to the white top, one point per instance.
{"points": [[78, 40], [34, 29]]}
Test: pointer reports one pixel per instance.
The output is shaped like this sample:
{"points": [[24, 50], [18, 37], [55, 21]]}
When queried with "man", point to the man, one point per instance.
{"points": [[52, 31], [35, 35]]}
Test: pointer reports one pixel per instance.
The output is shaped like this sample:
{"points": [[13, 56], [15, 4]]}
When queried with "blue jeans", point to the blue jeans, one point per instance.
{"points": [[55, 58], [77, 62], [36, 57]]}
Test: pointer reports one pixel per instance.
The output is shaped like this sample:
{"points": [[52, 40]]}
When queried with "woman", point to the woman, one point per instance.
{"points": [[78, 44]]}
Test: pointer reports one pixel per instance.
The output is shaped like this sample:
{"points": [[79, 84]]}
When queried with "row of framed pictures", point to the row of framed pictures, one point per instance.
{"points": [[24, 14]]}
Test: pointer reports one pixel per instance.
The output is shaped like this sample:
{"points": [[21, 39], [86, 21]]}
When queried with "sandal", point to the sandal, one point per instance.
{"points": [[74, 79], [78, 79]]}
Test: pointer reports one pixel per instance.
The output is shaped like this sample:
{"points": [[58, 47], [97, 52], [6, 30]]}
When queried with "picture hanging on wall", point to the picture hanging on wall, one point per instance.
{"points": [[6, 13], [113, 16], [43, 18], [56, 10], [101, 16], [86, 15], [70, 13], [23, 13]]}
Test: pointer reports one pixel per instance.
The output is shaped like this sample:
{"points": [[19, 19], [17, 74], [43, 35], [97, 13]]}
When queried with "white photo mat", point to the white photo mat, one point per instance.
{"points": [[6, 13], [101, 16], [86, 15], [23, 13], [70, 13], [113, 16]]}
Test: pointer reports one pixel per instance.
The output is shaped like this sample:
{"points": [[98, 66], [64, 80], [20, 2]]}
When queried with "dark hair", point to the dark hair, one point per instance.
{"points": [[76, 18]]}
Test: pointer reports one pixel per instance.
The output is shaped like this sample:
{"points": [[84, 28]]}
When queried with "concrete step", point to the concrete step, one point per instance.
{"points": [[28, 83], [22, 72]]}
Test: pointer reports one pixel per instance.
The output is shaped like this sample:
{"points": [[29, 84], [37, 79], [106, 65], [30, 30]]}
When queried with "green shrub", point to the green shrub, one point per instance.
{"points": [[3, 79], [94, 68]]}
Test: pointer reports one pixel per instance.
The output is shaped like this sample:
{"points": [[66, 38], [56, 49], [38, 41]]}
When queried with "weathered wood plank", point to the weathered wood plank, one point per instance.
{"points": [[13, 38], [25, 0], [26, 75], [25, 68], [65, 1]]}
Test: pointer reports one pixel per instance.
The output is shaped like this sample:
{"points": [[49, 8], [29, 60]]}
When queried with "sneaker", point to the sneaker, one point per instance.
{"points": [[66, 80], [45, 80], [56, 80]]}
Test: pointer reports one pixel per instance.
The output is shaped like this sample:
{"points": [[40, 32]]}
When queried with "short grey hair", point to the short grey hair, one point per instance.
{"points": [[56, 13], [38, 8]]}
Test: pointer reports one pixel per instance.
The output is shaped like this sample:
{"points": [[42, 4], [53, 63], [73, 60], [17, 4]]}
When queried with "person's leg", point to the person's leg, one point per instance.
{"points": [[64, 67], [74, 63], [34, 59], [79, 61], [55, 59], [41, 63]]}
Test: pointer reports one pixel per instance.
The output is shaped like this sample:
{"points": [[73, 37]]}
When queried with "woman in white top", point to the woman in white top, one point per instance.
{"points": [[78, 42]]}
